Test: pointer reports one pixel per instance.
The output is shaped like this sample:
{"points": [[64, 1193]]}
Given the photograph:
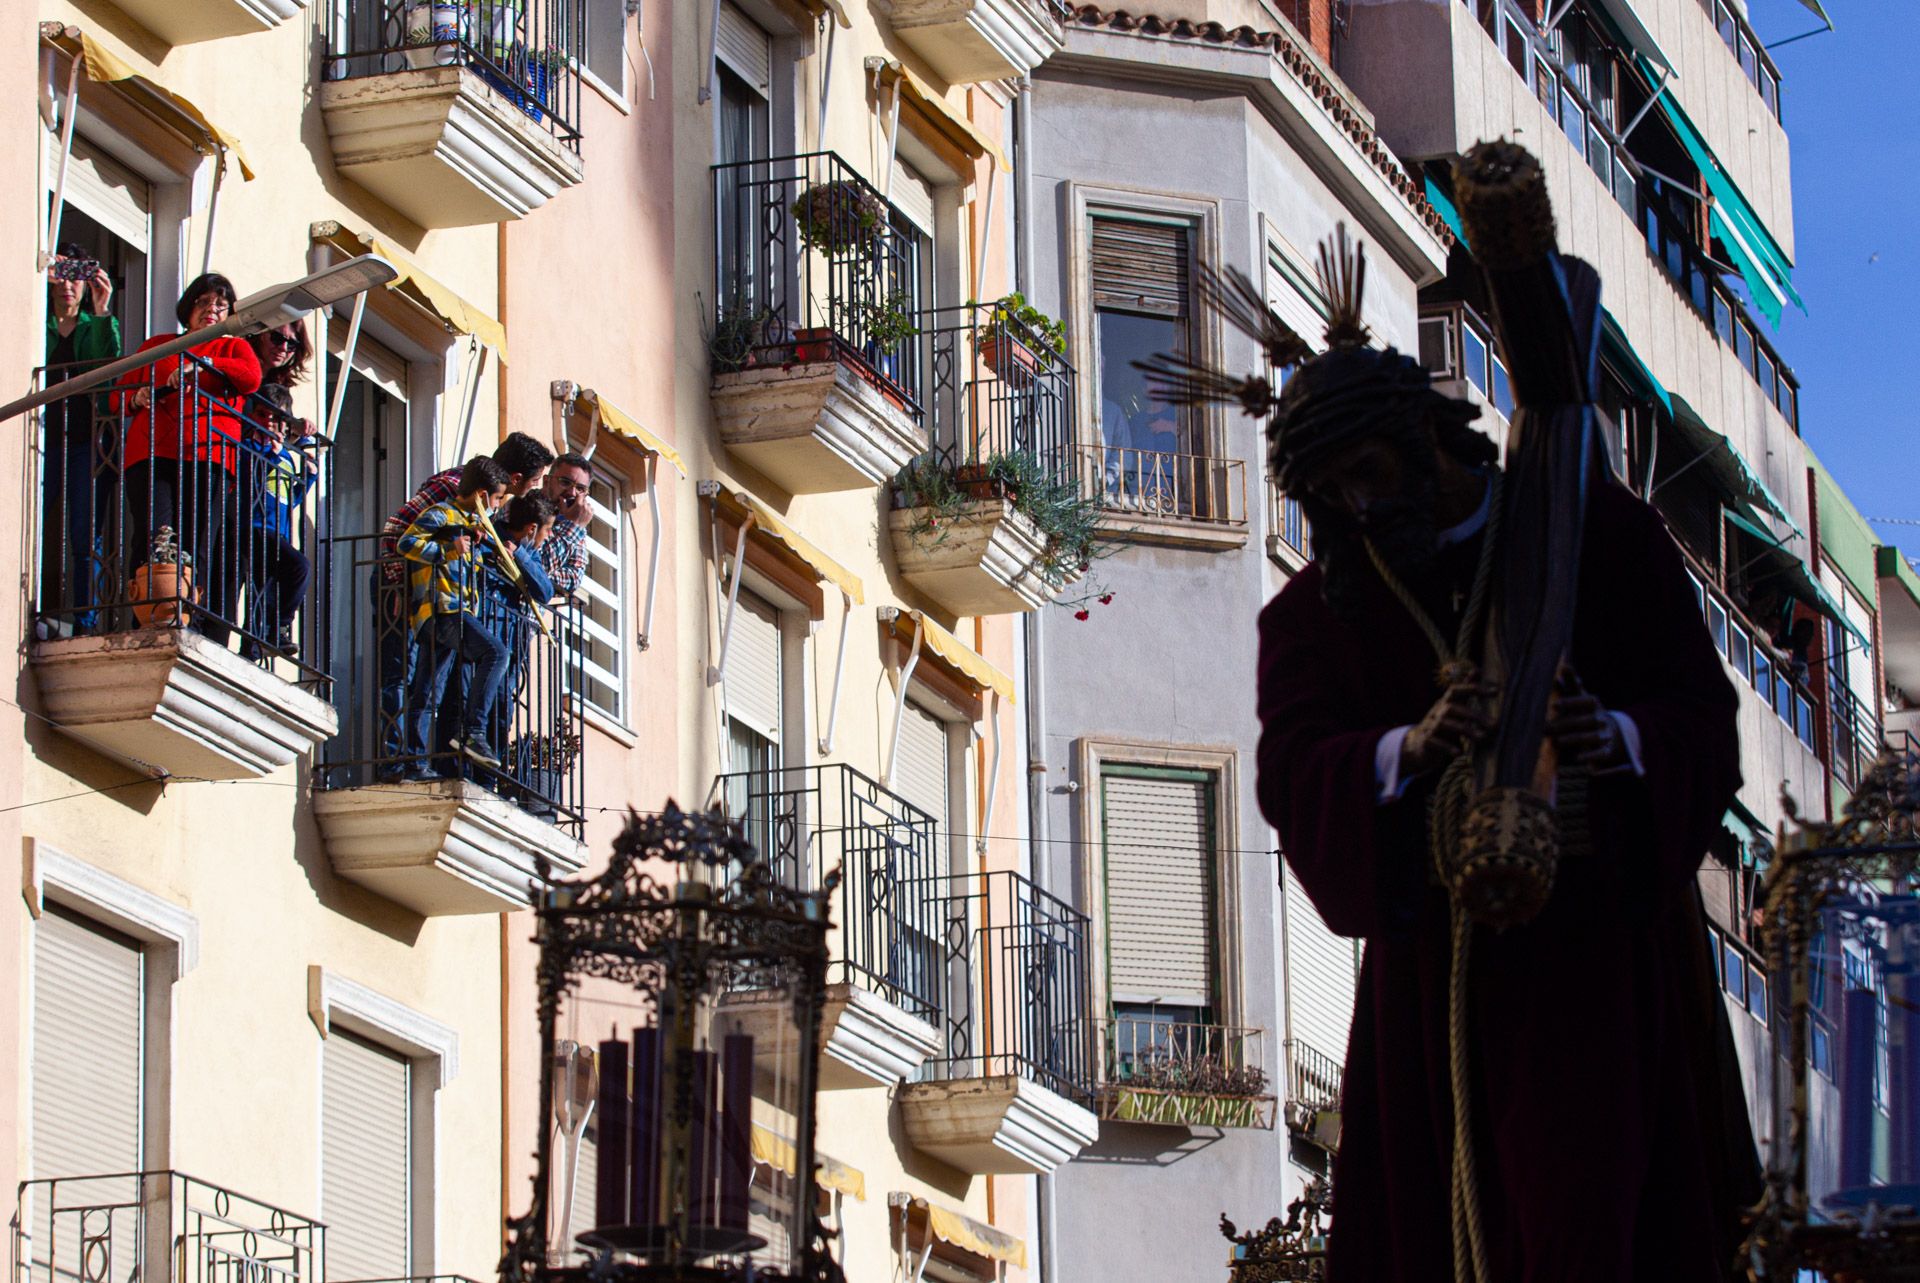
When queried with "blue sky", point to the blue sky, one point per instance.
{"points": [[1854, 122]]}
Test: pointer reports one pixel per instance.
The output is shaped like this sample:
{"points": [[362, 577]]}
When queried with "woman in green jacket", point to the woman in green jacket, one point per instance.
{"points": [[77, 460]]}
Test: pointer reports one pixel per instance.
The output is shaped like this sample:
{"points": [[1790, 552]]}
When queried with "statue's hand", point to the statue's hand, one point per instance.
{"points": [[1458, 720], [1580, 726]]}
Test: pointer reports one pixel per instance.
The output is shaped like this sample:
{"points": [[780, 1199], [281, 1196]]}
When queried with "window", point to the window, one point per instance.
{"points": [[1502, 389], [1739, 652], [1767, 375], [920, 772], [1743, 344], [597, 636], [1141, 275], [1757, 994], [89, 1048], [1763, 675], [1474, 345], [1736, 974], [1723, 317], [1157, 829], [366, 1160], [1717, 624], [751, 695], [742, 136], [1436, 345], [603, 45]]}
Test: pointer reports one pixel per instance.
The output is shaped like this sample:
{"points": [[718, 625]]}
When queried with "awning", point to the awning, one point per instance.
{"points": [[777, 1152], [1626, 361], [1799, 580], [456, 313], [1728, 466], [1817, 10], [1900, 620], [964, 1232], [1768, 271], [834, 7], [1634, 33], [1846, 539], [956, 653], [1443, 204], [622, 424], [947, 122], [774, 526], [177, 112]]}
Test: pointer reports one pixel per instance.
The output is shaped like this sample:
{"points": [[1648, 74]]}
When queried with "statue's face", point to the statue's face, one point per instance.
{"points": [[1380, 486]]}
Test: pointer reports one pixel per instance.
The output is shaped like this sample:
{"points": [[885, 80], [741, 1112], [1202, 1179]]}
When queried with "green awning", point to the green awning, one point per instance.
{"points": [[1799, 580], [1444, 204], [1767, 269], [1626, 361], [1845, 537], [1727, 465]]}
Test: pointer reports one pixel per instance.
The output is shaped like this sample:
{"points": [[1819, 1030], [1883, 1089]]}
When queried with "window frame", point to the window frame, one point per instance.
{"points": [[621, 487]]}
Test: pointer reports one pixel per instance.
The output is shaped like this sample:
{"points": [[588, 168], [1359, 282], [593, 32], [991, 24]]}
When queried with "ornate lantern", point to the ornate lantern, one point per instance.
{"points": [[717, 976], [1842, 932], [1293, 1250]]}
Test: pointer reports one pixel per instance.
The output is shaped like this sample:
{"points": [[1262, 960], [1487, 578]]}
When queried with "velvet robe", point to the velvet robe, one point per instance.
{"points": [[1612, 1141]]}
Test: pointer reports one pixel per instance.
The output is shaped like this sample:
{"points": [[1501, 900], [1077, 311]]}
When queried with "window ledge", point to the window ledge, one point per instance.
{"points": [[615, 98], [1172, 532]]}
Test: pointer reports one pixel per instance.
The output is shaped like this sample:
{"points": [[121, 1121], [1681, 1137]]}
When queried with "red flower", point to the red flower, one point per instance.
{"points": [[1106, 599], [1082, 614]]}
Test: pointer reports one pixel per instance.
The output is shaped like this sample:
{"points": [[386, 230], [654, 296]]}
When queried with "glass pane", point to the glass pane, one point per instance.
{"points": [[1624, 193], [1763, 675], [1502, 389], [1138, 431], [1517, 50], [1736, 974], [1717, 624], [1599, 154], [1749, 60], [1743, 345], [1783, 697], [1699, 591], [1770, 90], [1573, 122], [1713, 946], [1790, 403], [1757, 994], [1475, 348], [1722, 318], [1803, 719], [1766, 375], [1739, 652], [1822, 1050], [1723, 20], [1698, 285], [1436, 344]]}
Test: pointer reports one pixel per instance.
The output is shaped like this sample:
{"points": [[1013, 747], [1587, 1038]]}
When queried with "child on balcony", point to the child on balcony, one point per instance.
{"points": [[281, 474], [444, 546]]}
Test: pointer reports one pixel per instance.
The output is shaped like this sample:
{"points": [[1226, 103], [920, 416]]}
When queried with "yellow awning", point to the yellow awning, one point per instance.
{"points": [[459, 315], [776, 1151], [834, 7], [974, 1236], [963, 657], [620, 423], [179, 113], [776, 528], [956, 128]]}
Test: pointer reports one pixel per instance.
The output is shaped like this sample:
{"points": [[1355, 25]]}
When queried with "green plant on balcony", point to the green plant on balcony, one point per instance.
{"points": [[942, 497], [887, 321], [743, 335], [838, 217], [1011, 319], [1203, 1091]]}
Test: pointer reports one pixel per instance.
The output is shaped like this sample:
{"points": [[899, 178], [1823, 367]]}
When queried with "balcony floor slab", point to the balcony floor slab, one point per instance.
{"points": [[1002, 1125], [965, 41], [985, 560], [180, 22], [815, 427], [865, 1040]]}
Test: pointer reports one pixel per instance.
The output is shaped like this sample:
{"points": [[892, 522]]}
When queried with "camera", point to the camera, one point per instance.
{"points": [[74, 269]]}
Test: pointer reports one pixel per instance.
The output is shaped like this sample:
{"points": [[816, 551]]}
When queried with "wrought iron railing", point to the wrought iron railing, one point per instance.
{"points": [[1177, 1072], [810, 820], [996, 387], [159, 1227], [391, 728], [1313, 1095], [813, 263], [167, 501], [1854, 735], [1013, 960], [1159, 484], [528, 52]]}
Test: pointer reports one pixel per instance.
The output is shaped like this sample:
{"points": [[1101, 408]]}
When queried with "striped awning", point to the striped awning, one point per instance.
{"points": [[455, 312], [944, 120], [775, 527], [966, 1233], [959, 656], [176, 111], [774, 1150], [622, 424]]}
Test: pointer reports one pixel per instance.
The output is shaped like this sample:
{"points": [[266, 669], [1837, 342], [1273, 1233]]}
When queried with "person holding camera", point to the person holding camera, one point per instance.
{"points": [[81, 335]]}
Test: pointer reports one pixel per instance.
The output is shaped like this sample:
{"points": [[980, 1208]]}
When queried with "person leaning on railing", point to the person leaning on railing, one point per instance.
{"points": [[526, 527], [182, 448], [276, 471], [81, 334], [569, 482]]}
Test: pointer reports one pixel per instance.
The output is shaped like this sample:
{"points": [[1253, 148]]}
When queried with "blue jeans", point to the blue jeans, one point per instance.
{"points": [[443, 639]]}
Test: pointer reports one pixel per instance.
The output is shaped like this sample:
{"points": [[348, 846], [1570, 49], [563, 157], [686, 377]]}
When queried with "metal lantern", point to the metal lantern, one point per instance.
{"points": [[1293, 1250], [654, 1135], [1842, 932]]}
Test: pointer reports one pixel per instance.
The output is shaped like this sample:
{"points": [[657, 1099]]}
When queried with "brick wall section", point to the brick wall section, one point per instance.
{"points": [[1314, 20]]}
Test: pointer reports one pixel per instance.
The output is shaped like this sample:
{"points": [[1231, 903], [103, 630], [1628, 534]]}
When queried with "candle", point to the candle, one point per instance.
{"points": [[1858, 1054], [701, 1138], [736, 1128], [644, 1146], [610, 1170]]}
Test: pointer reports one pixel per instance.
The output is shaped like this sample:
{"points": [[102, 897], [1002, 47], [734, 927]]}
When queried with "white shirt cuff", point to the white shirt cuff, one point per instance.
{"points": [[1630, 741], [1386, 765]]}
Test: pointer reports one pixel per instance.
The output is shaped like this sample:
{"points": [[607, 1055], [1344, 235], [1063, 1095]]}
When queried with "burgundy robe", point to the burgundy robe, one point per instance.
{"points": [[1612, 1139]]}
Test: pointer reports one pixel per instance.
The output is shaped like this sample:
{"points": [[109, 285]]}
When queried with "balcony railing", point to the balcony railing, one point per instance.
{"points": [[1169, 487], [813, 263], [164, 503], [1313, 1094], [1013, 962], [807, 821], [1183, 1074], [529, 52], [388, 734], [159, 1227], [996, 387]]}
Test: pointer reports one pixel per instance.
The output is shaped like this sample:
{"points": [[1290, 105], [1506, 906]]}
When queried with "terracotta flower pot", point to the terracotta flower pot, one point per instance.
{"points": [[1008, 357], [160, 591]]}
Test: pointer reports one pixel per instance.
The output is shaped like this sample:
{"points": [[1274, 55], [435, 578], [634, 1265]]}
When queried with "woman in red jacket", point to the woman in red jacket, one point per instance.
{"points": [[182, 449]]}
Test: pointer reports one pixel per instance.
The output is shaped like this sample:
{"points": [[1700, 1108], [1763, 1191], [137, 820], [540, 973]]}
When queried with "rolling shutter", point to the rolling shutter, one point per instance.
{"points": [[920, 764], [365, 1159], [753, 667], [1320, 976], [104, 190], [913, 195], [586, 1174], [87, 1049], [744, 46], [1142, 267], [1159, 853]]}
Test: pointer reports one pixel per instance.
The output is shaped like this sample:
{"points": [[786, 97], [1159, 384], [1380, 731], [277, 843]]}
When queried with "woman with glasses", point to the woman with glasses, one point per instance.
{"points": [[277, 469]]}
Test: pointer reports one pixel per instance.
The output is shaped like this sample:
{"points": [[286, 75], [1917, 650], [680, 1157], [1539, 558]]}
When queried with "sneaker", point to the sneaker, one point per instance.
{"points": [[476, 748]]}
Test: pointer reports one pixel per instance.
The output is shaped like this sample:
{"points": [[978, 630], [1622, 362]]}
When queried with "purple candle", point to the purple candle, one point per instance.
{"points": [[1857, 1056], [702, 1136], [736, 1128], [610, 1171], [644, 1146]]}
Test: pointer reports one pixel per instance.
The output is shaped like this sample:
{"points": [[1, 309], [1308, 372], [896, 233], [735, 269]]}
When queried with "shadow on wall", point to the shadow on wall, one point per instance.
{"points": [[1143, 1145]]}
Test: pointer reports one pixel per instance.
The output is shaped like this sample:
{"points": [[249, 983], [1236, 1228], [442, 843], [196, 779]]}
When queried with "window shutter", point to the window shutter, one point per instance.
{"points": [[87, 1049], [1159, 852], [601, 618], [753, 666], [913, 195], [1141, 267], [1320, 976], [586, 1174], [744, 46], [920, 764], [104, 190], [365, 1159]]}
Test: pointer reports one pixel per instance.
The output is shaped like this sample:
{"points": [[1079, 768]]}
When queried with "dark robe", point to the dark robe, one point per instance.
{"points": [[1612, 1141]]}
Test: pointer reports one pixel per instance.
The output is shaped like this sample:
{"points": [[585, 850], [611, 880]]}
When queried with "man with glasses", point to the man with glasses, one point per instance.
{"points": [[565, 553]]}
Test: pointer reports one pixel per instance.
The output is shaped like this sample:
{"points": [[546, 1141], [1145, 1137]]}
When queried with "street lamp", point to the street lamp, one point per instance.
{"points": [[278, 305], [702, 1108]]}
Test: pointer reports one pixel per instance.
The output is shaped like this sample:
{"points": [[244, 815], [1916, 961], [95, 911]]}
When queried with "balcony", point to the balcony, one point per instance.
{"points": [[149, 571], [1013, 1091], [180, 22], [455, 113], [965, 41], [1313, 1096], [883, 996], [400, 811], [1155, 496], [991, 520], [817, 365], [1289, 533], [159, 1227], [1178, 1074]]}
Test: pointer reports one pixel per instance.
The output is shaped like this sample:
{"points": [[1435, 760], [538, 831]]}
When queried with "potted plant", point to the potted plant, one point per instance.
{"points": [[540, 764], [433, 31], [839, 217], [161, 589], [743, 336], [1019, 338], [885, 323], [543, 73]]}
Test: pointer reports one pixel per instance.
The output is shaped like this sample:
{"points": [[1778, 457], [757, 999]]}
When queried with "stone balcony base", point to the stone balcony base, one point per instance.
{"points": [[815, 427], [442, 847], [442, 148], [972, 40], [170, 699], [865, 1041], [985, 560], [995, 1126], [180, 22]]}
